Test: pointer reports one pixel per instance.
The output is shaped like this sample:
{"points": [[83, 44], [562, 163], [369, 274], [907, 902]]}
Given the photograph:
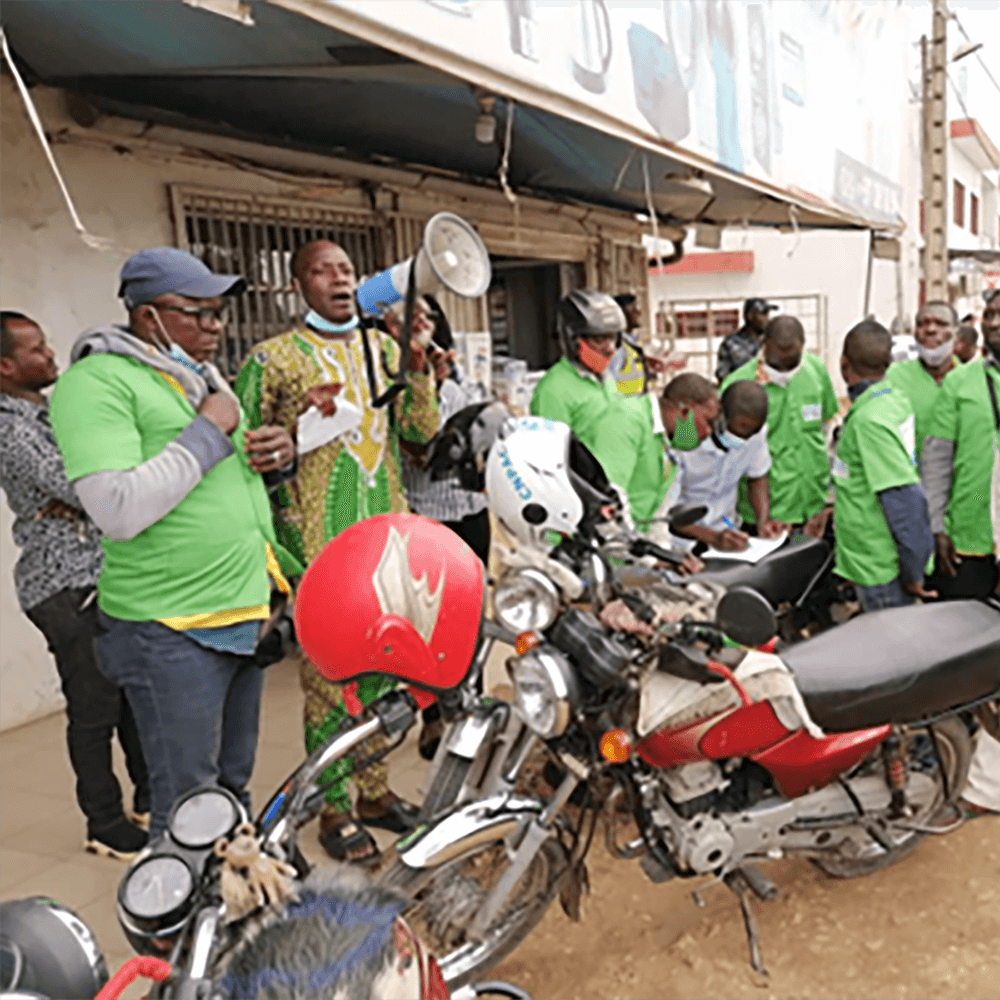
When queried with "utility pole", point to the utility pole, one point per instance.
{"points": [[934, 73]]}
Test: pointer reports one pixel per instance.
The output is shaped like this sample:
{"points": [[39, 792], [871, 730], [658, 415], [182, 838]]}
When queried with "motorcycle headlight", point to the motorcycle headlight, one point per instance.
{"points": [[545, 690], [526, 601]]}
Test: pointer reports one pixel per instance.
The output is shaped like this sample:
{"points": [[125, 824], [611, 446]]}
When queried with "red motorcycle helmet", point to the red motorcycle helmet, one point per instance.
{"points": [[394, 594]]}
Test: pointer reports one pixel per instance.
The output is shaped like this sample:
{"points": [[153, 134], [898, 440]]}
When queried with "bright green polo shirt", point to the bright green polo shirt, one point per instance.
{"points": [[631, 445], [912, 379], [564, 393], [110, 412], [875, 452], [800, 466], [963, 414]]}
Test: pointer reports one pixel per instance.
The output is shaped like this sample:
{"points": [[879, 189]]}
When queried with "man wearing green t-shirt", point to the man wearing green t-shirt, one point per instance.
{"points": [[578, 389], [880, 515], [957, 470], [635, 450], [920, 379], [800, 400], [155, 445]]}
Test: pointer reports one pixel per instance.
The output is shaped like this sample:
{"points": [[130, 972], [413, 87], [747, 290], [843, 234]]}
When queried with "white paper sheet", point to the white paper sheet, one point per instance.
{"points": [[315, 430], [756, 549]]}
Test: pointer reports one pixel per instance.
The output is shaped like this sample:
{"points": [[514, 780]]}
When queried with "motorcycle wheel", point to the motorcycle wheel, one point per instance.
{"points": [[446, 900], [955, 746]]}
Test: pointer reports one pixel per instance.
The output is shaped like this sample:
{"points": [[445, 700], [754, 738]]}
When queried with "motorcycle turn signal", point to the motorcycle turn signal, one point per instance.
{"points": [[526, 641], [616, 747]]}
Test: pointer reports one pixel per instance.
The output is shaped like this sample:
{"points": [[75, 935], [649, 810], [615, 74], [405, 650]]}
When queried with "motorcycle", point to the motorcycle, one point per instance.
{"points": [[628, 702], [201, 891]]}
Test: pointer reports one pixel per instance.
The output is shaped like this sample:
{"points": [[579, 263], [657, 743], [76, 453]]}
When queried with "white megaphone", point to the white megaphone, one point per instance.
{"points": [[452, 256]]}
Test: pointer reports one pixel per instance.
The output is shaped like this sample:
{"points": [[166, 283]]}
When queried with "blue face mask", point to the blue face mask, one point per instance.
{"points": [[313, 319], [730, 441], [182, 357], [726, 439]]}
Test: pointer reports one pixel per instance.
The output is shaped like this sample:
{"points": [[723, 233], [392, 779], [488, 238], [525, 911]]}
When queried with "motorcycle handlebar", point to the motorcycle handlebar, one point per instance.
{"points": [[640, 547]]}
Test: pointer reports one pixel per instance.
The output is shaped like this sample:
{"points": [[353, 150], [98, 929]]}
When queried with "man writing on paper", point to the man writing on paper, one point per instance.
{"points": [[711, 474], [957, 467], [800, 399], [324, 364], [881, 519]]}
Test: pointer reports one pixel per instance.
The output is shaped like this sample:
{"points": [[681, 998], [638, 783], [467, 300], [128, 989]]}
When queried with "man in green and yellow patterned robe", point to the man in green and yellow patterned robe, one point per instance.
{"points": [[339, 483]]}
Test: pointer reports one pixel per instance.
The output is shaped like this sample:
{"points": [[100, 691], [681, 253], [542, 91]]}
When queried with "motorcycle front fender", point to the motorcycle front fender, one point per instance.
{"points": [[472, 825]]}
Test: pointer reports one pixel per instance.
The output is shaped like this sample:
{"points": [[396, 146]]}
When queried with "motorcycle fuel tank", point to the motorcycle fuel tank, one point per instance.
{"points": [[796, 760], [735, 733]]}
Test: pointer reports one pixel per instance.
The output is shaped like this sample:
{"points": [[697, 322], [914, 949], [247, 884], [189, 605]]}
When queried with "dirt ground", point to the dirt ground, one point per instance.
{"points": [[927, 927]]}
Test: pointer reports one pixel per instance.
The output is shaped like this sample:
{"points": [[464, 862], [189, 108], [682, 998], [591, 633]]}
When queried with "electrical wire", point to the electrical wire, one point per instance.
{"points": [[982, 61], [92, 241], [965, 111]]}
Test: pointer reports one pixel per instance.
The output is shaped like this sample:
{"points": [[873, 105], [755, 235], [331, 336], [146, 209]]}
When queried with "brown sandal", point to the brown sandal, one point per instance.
{"points": [[344, 839]]}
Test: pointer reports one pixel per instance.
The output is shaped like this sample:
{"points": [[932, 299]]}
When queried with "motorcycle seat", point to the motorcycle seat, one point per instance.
{"points": [[898, 665], [781, 576]]}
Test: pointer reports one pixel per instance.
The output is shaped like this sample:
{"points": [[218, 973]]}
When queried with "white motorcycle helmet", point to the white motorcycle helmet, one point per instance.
{"points": [[541, 481]]}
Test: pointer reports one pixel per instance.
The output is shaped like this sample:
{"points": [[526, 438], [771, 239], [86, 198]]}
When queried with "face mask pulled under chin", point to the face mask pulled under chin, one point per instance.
{"points": [[728, 440], [935, 356], [781, 378]]}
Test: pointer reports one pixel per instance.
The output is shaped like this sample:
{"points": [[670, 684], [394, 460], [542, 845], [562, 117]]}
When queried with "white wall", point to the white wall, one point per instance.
{"points": [[833, 264], [47, 272], [961, 169]]}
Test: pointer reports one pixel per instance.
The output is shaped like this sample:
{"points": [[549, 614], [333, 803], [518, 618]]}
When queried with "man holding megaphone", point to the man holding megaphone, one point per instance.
{"points": [[338, 388]]}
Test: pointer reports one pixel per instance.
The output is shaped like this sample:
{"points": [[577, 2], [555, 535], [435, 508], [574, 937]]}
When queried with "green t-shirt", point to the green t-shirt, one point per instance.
{"points": [[800, 466], [563, 393], [875, 452], [912, 379], [963, 414], [630, 444], [110, 412]]}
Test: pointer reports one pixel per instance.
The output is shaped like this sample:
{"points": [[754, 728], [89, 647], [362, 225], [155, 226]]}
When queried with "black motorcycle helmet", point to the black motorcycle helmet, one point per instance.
{"points": [[588, 313], [47, 950], [461, 446]]}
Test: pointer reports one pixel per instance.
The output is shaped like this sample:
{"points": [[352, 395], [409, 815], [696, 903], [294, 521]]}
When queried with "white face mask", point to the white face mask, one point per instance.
{"points": [[780, 378], [934, 356]]}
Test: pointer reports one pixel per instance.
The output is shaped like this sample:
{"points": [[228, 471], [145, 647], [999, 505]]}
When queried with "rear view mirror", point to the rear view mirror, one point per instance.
{"points": [[686, 514], [746, 617]]}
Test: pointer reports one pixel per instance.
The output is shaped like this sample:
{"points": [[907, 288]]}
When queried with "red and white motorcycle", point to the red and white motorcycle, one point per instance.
{"points": [[628, 702]]}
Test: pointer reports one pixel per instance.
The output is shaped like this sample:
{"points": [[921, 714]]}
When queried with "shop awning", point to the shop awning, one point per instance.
{"points": [[311, 75]]}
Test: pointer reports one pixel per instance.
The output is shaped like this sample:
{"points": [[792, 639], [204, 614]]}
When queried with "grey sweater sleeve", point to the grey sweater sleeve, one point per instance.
{"points": [[124, 503], [936, 463]]}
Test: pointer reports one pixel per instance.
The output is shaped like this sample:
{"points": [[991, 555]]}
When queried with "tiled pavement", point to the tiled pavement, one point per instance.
{"points": [[41, 828]]}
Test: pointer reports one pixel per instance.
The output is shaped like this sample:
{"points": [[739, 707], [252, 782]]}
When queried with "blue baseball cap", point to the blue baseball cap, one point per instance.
{"points": [[161, 270]]}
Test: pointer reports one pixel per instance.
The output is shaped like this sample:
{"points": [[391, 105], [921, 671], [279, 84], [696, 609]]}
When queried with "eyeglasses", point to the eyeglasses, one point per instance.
{"points": [[205, 316]]}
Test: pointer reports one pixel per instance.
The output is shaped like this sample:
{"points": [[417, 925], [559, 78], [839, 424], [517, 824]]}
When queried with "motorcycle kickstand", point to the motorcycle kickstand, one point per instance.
{"points": [[740, 888]]}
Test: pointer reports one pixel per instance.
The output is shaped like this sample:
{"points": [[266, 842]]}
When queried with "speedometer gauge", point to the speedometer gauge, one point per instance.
{"points": [[157, 888], [199, 820]]}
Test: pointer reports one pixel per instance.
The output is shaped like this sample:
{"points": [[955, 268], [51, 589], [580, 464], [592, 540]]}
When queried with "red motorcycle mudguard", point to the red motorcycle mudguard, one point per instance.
{"points": [[800, 763], [735, 733]]}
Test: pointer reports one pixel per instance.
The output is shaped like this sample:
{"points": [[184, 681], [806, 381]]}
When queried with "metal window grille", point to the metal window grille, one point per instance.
{"points": [[255, 237], [696, 327]]}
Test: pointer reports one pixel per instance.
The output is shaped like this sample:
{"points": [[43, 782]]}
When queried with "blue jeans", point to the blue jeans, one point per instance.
{"points": [[884, 595], [196, 709]]}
